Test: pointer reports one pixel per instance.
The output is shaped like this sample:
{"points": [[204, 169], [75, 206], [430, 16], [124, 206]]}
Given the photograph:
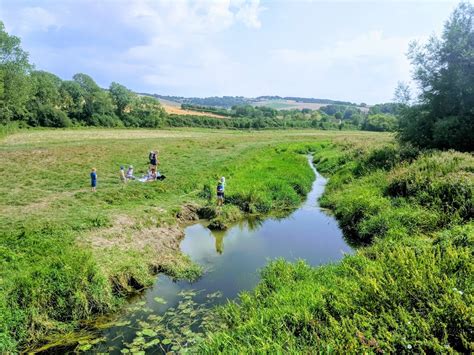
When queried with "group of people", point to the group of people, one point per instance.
{"points": [[152, 175]]}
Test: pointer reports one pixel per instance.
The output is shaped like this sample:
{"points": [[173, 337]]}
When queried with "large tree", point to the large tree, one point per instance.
{"points": [[121, 96], [14, 81], [444, 71]]}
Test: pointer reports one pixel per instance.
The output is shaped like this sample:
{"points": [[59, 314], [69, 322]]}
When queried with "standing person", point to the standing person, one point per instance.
{"points": [[220, 191], [93, 179], [122, 174], [153, 157]]}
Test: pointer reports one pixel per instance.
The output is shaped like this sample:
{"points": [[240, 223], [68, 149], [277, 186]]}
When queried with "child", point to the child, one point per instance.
{"points": [[122, 174], [130, 173], [220, 191], [93, 179]]}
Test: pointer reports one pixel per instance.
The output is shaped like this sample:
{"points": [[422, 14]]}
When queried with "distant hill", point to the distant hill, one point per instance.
{"points": [[224, 101], [276, 102]]}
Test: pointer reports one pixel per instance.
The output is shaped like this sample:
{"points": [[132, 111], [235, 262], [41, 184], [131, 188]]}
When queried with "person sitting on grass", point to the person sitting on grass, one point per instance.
{"points": [[220, 191], [93, 179], [129, 175], [152, 175], [122, 175]]}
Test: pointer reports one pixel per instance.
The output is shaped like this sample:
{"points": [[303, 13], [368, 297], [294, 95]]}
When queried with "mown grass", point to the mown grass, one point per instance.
{"points": [[408, 289], [54, 273]]}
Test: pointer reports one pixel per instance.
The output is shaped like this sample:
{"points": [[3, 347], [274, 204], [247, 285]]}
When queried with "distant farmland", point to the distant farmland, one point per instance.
{"points": [[173, 107], [283, 104]]}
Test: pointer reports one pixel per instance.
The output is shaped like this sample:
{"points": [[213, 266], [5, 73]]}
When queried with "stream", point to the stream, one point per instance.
{"points": [[166, 315]]}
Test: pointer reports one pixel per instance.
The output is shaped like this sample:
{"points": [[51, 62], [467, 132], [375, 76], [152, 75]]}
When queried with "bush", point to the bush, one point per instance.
{"points": [[101, 120], [356, 204], [444, 181], [48, 116], [380, 123], [386, 158]]}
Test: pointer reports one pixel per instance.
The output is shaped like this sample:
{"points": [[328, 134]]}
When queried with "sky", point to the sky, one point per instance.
{"points": [[343, 50]]}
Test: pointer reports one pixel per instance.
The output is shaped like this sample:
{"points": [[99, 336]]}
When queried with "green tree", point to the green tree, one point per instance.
{"points": [[14, 83], [45, 101], [443, 69], [402, 93], [72, 99], [91, 92], [380, 123], [146, 111], [45, 87], [121, 96]]}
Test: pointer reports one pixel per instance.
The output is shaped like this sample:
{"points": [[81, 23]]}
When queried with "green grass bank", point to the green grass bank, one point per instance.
{"points": [[409, 287], [68, 255]]}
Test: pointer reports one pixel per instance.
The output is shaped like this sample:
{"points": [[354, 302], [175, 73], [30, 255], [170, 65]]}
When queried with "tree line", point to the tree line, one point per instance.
{"points": [[39, 98]]}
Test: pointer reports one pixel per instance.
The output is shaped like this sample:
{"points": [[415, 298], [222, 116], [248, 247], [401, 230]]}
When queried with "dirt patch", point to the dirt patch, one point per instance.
{"points": [[179, 111], [130, 254], [188, 213], [125, 235]]}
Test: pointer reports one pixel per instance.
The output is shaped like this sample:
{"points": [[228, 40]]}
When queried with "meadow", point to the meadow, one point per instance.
{"points": [[68, 254]]}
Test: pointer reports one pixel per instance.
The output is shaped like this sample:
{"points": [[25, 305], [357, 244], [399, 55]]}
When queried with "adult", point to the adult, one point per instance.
{"points": [[153, 157]]}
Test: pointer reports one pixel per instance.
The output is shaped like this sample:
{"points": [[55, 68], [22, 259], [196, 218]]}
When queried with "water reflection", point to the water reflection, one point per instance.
{"points": [[219, 237]]}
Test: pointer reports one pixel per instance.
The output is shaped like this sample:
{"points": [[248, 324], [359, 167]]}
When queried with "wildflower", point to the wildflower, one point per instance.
{"points": [[409, 346], [460, 292]]}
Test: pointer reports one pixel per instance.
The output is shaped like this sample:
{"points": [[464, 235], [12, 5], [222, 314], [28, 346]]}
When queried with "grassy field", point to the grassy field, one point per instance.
{"points": [[409, 288], [67, 254], [292, 104]]}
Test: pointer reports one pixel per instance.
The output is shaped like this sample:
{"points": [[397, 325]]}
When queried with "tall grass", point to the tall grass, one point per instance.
{"points": [[408, 290]]}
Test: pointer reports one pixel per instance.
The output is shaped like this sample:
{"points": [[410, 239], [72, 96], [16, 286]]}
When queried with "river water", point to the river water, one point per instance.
{"points": [[167, 313]]}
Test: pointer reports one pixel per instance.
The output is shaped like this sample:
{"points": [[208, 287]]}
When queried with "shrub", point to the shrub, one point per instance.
{"points": [[444, 181], [48, 116], [355, 204], [380, 123], [386, 158], [102, 120]]}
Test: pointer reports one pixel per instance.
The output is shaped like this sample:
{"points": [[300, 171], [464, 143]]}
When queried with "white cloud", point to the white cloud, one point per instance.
{"points": [[369, 63], [180, 50], [31, 19], [248, 12], [198, 17]]}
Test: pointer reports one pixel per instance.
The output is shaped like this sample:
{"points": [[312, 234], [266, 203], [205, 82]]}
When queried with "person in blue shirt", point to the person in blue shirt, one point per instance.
{"points": [[220, 191], [93, 179]]}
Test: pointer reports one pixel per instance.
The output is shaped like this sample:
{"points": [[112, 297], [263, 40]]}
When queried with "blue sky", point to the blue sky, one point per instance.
{"points": [[347, 50]]}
